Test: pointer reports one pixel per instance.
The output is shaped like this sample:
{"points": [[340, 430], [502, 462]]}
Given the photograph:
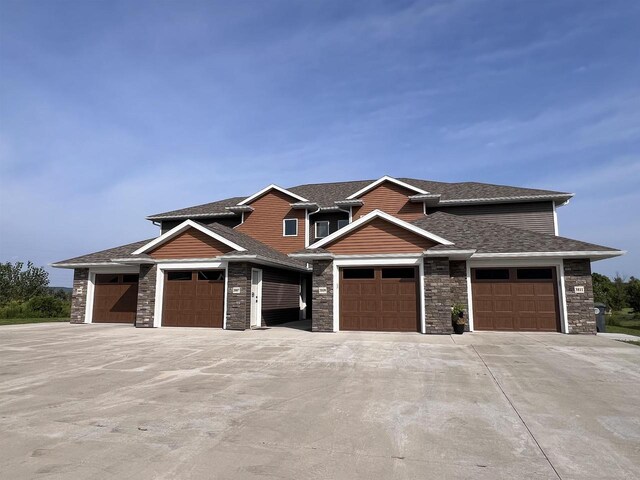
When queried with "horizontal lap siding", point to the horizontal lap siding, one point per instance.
{"points": [[265, 222], [230, 222], [332, 218], [536, 216], [392, 199], [280, 296], [380, 236], [191, 244]]}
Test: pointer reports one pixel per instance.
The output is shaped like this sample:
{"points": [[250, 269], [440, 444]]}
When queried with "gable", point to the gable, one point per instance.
{"points": [[379, 236], [392, 199], [191, 243], [264, 223]]}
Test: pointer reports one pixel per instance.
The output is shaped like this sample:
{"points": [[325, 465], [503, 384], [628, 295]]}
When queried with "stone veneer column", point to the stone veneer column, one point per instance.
{"points": [[437, 296], [322, 303], [581, 317], [79, 295], [238, 304], [459, 294], [146, 295]]}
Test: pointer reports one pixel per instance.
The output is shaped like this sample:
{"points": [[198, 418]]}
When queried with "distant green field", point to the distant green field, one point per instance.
{"points": [[18, 321], [624, 322]]}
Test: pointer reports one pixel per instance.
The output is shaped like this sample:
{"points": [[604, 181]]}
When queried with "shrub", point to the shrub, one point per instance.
{"points": [[43, 306]]}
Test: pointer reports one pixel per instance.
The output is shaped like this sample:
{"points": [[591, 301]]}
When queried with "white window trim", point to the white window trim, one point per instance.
{"points": [[315, 226], [380, 262], [159, 297], [557, 263], [284, 230], [346, 223]]}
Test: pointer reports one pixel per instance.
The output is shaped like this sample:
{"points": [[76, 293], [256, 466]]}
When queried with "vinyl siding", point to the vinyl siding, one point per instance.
{"points": [[380, 236], [191, 243], [392, 199], [535, 216], [265, 222], [280, 296]]}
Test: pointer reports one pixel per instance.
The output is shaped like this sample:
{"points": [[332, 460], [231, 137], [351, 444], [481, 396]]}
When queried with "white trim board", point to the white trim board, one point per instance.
{"points": [[165, 237], [268, 188], [379, 262], [386, 178], [385, 216]]}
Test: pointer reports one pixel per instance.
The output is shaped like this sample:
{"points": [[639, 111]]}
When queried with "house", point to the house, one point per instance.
{"points": [[392, 254]]}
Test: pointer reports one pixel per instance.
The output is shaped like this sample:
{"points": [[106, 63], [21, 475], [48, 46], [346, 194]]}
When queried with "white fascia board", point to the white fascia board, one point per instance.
{"points": [[592, 254], [179, 229], [380, 214], [268, 188], [134, 261], [515, 198], [311, 255], [192, 215], [264, 261], [386, 178], [455, 254], [85, 265]]}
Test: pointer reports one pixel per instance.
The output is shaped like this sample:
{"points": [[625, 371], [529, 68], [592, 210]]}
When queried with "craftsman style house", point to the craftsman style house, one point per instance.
{"points": [[392, 254]]}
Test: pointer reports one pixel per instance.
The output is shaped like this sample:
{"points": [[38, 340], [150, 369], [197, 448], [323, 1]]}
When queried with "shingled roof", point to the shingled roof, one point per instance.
{"points": [[326, 194], [482, 237], [124, 253]]}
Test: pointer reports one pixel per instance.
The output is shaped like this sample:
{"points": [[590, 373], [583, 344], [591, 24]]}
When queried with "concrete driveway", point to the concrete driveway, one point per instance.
{"points": [[110, 401]]}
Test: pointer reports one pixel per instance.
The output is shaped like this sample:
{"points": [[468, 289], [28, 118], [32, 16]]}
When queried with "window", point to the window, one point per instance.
{"points": [[130, 278], [322, 229], [342, 223], [290, 227], [492, 274], [353, 273], [398, 273], [535, 274], [211, 275], [106, 278], [178, 276]]}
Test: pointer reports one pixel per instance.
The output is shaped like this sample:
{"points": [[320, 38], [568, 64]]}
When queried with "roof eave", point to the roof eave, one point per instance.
{"points": [[593, 255]]}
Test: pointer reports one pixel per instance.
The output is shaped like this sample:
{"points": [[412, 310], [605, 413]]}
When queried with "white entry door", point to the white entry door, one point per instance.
{"points": [[256, 298]]}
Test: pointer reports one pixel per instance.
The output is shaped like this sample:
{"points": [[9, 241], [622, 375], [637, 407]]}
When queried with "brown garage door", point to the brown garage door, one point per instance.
{"points": [[193, 298], [520, 299], [115, 298], [379, 298]]}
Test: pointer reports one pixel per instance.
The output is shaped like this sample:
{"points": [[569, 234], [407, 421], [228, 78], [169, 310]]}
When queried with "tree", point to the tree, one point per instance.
{"points": [[618, 294], [21, 285], [602, 287], [633, 293]]}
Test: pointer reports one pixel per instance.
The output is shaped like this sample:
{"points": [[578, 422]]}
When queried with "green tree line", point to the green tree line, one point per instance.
{"points": [[25, 293], [618, 293]]}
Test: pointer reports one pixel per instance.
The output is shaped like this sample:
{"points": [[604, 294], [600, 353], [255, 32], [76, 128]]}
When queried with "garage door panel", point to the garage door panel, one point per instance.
{"points": [[193, 301], [116, 301], [519, 301], [378, 303]]}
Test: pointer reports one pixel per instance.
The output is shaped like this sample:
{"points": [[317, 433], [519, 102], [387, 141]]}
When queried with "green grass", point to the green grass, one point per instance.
{"points": [[18, 321], [625, 321], [632, 342]]}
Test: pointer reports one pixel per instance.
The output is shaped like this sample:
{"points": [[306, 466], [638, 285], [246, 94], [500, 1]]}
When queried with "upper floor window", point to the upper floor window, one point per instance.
{"points": [[322, 229], [290, 227], [342, 223]]}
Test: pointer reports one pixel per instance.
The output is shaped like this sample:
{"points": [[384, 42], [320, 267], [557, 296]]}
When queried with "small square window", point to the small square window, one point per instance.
{"points": [[290, 227], [322, 229], [342, 223]]}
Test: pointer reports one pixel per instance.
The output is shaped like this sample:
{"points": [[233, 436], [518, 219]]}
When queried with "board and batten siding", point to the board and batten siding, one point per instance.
{"points": [[536, 216], [379, 236], [392, 199], [265, 222], [280, 296], [191, 243]]}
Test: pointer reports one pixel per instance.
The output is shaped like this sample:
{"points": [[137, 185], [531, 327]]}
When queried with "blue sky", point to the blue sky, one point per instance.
{"points": [[110, 111]]}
